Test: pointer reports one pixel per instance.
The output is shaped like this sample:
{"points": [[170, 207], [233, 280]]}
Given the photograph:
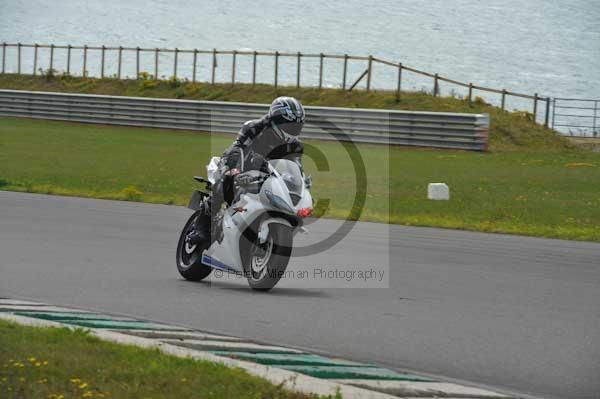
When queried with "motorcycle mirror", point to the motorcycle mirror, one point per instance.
{"points": [[308, 181]]}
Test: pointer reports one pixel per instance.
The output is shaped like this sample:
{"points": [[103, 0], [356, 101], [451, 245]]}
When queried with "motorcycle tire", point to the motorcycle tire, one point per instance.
{"points": [[189, 256], [266, 263]]}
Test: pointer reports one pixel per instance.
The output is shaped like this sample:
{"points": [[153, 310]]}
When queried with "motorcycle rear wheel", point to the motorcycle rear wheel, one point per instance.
{"points": [[189, 256]]}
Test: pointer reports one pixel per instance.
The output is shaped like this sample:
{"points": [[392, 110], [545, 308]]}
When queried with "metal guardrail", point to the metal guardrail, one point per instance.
{"points": [[426, 129]]}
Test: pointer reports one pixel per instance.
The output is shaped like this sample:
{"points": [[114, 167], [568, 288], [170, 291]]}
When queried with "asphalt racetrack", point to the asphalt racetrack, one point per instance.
{"points": [[520, 314]]}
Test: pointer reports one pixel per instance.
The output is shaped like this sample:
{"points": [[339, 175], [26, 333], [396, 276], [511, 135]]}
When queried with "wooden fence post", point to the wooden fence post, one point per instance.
{"points": [[51, 57], [119, 61], [503, 99], [276, 67], [19, 58], [298, 70], [344, 76], [253, 69], [595, 131], [137, 63], [214, 65], [362, 75], [35, 57], [470, 92], [321, 56], [3, 57], [436, 85], [547, 116], [175, 63], [398, 89], [553, 112], [156, 51], [102, 62], [233, 67], [84, 66], [535, 103], [69, 47], [369, 73], [194, 66]]}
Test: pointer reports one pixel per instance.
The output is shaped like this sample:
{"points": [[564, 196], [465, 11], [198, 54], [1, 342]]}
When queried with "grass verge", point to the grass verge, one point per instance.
{"points": [[509, 131], [58, 363], [547, 193]]}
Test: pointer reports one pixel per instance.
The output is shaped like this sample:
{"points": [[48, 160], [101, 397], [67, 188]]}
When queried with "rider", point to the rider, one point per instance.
{"points": [[274, 136]]}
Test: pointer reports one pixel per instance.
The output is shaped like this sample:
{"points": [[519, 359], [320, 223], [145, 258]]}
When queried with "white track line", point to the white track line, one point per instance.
{"points": [[232, 345], [43, 309], [18, 302], [174, 335], [423, 389]]}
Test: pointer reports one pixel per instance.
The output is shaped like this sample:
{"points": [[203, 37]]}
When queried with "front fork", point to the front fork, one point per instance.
{"points": [[199, 201]]}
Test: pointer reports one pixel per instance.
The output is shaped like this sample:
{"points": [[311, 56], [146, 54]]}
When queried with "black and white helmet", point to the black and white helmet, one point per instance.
{"points": [[287, 117]]}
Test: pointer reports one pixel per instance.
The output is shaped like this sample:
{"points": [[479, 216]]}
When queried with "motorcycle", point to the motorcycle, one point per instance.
{"points": [[253, 236]]}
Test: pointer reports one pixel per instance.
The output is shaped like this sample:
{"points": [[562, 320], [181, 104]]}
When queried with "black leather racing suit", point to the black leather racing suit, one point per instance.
{"points": [[255, 137]]}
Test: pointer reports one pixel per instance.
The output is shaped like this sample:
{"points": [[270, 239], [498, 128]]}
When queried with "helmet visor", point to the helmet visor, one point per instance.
{"points": [[287, 131], [291, 128]]}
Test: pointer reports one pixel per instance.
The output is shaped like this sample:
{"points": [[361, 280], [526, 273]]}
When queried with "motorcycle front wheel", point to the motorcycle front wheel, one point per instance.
{"points": [[189, 256], [266, 262]]}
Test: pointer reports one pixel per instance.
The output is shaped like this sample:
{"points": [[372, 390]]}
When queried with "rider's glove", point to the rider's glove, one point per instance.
{"points": [[243, 179], [232, 172]]}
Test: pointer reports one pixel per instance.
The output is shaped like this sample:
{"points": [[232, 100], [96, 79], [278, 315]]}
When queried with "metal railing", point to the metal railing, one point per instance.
{"points": [[427, 129], [118, 55], [576, 117]]}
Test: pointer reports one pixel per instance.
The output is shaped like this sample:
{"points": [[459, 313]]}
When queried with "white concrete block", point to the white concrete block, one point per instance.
{"points": [[438, 191]]}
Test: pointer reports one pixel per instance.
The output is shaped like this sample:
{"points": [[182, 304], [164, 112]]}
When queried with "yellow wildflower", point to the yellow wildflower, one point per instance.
{"points": [[184, 380], [75, 380], [83, 385], [87, 394], [45, 363], [32, 359], [38, 364]]}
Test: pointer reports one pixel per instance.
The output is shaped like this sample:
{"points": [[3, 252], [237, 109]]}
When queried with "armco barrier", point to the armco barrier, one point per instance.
{"points": [[426, 129]]}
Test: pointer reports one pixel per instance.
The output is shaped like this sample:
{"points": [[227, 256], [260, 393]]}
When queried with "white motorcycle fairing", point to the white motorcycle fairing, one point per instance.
{"points": [[274, 195]]}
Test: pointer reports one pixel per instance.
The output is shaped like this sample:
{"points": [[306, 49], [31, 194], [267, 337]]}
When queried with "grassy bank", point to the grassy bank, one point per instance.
{"points": [[547, 193], [57, 363], [509, 131]]}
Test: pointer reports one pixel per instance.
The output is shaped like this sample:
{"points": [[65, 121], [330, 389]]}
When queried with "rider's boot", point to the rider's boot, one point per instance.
{"points": [[201, 231], [211, 224]]}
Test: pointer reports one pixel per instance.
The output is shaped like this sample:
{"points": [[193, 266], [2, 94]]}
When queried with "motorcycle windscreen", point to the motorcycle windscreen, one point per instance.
{"points": [[291, 174]]}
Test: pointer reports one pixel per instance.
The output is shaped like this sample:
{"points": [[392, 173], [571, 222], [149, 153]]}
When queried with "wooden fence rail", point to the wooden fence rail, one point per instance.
{"points": [[370, 60]]}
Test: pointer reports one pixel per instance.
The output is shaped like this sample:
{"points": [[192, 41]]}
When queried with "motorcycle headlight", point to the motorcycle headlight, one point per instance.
{"points": [[278, 202]]}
